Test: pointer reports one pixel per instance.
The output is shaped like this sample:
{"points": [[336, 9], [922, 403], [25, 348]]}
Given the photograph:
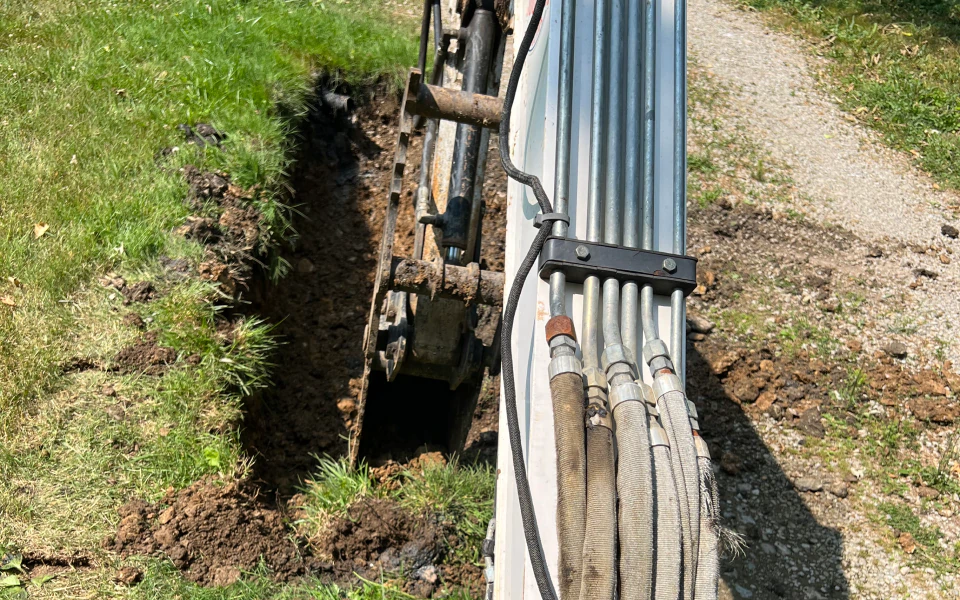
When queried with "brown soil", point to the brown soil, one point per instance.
{"points": [[145, 356], [210, 532], [228, 222], [378, 536]]}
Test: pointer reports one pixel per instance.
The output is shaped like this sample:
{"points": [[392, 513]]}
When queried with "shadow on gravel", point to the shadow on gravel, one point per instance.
{"points": [[787, 553], [320, 307]]}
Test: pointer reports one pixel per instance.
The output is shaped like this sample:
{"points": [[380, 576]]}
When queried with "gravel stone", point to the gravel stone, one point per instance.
{"points": [[896, 350], [808, 484]]}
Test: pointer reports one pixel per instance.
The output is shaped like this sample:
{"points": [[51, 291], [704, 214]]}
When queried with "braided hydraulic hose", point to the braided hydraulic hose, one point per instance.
{"points": [[673, 414], [636, 512], [600, 545], [668, 568], [708, 567], [566, 389]]}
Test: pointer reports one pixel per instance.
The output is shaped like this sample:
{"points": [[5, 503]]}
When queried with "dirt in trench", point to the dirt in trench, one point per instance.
{"points": [[321, 308]]}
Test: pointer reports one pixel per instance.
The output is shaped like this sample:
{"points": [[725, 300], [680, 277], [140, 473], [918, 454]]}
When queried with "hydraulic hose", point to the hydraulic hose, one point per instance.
{"points": [[708, 565], [669, 558], [600, 544], [566, 390], [635, 490], [672, 405]]}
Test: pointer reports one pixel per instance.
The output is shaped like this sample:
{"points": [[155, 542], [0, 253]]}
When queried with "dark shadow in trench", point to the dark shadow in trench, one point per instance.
{"points": [[787, 554], [320, 308]]}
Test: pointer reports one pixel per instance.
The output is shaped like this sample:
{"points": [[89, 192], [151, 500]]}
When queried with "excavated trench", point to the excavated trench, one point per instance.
{"points": [[212, 532], [340, 193]]}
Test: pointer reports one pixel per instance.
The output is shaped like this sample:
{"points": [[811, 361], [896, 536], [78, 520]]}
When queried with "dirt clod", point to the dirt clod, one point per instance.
{"points": [[145, 356], [377, 534], [128, 576], [134, 320], [142, 291], [210, 532]]}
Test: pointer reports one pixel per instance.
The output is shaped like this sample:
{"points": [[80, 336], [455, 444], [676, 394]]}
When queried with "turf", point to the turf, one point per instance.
{"points": [[91, 91]]}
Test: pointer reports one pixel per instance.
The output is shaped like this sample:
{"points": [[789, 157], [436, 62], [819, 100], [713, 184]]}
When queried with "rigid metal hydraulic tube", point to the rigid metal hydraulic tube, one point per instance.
{"points": [[591, 286], [561, 194], [566, 381], [677, 304]]}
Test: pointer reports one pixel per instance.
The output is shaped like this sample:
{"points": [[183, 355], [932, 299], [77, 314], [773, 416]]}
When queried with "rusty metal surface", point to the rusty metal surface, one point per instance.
{"points": [[560, 325], [468, 284], [436, 102]]}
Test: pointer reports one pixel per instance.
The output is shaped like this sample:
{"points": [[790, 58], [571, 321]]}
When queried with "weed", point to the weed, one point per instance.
{"points": [[929, 552], [702, 162], [850, 394], [709, 196]]}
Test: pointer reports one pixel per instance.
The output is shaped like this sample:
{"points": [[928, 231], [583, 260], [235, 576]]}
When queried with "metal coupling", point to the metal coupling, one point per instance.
{"points": [[658, 436], [701, 445], [657, 356], [617, 359], [665, 383], [594, 378], [565, 363], [649, 398], [653, 349], [694, 415], [563, 345], [625, 392]]}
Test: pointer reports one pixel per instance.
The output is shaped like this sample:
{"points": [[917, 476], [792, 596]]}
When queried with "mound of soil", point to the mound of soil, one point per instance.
{"points": [[145, 356], [378, 536], [210, 532], [228, 223]]}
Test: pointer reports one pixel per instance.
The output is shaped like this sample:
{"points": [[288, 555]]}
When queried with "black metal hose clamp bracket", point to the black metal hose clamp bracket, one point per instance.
{"points": [[578, 260]]}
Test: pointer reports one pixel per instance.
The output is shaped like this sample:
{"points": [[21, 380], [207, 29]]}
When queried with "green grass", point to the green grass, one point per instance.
{"points": [[161, 581], [91, 91], [896, 67]]}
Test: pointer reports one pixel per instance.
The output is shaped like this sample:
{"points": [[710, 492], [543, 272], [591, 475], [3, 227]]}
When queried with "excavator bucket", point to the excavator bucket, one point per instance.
{"points": [[431, 334]]}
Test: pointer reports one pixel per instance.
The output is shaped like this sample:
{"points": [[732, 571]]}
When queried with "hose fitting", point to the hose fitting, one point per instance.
{"points": [[595, 385], [617, 360], [657, 356]]}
